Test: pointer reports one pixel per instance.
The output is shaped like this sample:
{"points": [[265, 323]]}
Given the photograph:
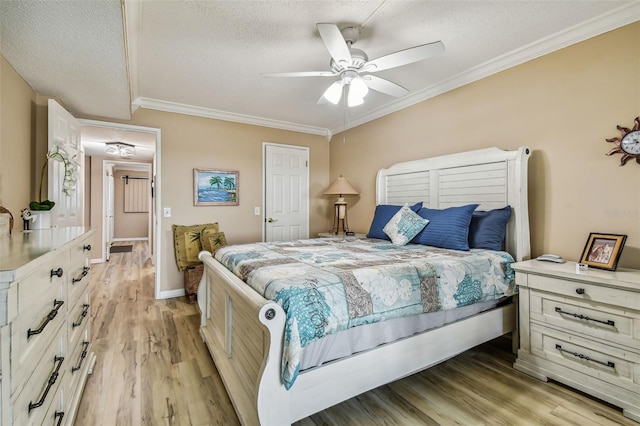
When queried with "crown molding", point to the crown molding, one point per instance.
{"points": [[617, 18], [177, 108]]}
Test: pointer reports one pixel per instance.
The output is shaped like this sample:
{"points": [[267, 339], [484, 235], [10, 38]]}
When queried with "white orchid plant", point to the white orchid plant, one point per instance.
{"points": [[58, 153]]}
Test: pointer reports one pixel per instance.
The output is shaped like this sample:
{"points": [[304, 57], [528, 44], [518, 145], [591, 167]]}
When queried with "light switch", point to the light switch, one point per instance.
{"points": [[167, 212], [256, 211]]}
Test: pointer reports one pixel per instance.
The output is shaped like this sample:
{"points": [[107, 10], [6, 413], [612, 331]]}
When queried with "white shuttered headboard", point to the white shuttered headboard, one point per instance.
{"points": [[490, 177]]}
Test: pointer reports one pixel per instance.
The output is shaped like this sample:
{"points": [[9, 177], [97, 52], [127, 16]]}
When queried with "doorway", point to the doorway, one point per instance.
{"points": [[96, 135]]}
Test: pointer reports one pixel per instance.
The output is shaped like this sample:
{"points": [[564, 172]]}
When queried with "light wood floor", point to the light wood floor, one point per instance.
{"points": [[153, 369]]}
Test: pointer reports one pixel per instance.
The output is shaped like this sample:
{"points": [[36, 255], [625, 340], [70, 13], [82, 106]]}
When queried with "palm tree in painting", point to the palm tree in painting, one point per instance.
{"points": [[215, 180], [229, 182]]}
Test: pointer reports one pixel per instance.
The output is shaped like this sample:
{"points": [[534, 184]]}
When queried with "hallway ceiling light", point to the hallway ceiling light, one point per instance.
{"points": [[122, 149]]}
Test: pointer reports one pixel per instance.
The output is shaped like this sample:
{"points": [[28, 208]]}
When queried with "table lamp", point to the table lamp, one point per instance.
{"points": [[340, 187]]}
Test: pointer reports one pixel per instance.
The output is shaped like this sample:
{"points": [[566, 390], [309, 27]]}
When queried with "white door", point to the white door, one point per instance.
{"points": [[286, 203], [64, 131]]}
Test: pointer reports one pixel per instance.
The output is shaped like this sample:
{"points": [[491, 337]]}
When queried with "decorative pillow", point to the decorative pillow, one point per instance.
{"points": [[382, 215], [447, 228], [211, 242], [487, 228], [186, 241], [404, 225]]}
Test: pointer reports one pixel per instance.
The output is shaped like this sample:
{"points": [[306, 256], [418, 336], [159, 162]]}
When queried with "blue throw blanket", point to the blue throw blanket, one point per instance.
{"points": [[327, 285]]}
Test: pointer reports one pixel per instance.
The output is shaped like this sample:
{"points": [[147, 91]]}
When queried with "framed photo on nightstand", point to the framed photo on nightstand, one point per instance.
{"points": [[602, 251]]}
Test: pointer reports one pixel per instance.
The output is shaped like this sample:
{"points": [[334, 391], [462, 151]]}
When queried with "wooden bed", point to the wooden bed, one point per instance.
{"points": [[244, 331]]}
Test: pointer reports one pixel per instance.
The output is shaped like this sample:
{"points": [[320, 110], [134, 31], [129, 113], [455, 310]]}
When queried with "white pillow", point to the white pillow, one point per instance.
{"points": [[404, 225]]}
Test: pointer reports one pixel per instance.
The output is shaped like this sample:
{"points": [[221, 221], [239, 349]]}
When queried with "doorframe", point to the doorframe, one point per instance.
{"points": [[156, 179], [115, 163], [264, 182]]}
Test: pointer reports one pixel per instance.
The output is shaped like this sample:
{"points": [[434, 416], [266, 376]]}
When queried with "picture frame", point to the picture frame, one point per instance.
{"points": [[602, 251], [215, 187]]}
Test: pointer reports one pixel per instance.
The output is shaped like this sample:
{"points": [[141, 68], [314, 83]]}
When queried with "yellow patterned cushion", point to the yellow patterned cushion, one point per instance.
{"points": [[212, 241], [186, 240]]}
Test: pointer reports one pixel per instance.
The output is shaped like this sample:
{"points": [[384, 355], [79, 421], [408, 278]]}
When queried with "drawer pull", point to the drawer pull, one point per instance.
{"points": [[85, 271], [51, 382], [584, 317], [86, 247], [586, 358], [85, 311], [56, 273], [85, 346], [580, 290], [59, 415], [50, 316]]}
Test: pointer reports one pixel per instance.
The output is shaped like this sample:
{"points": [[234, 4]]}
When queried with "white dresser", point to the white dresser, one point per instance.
{"points": [[582, 329], [45, 347]]}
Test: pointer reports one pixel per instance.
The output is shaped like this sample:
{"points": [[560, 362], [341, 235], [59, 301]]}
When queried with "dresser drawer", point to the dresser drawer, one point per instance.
{"points": [[43, 310], [78, 320], [604, 363], [81, 252], [606, 322], [30, 406], [588, 293], [77, 369], [78, 283]]}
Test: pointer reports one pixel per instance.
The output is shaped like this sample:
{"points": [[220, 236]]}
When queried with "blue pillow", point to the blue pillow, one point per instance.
{"points": [[382, 215], [447, 228], [404, 225], [487, 229]]}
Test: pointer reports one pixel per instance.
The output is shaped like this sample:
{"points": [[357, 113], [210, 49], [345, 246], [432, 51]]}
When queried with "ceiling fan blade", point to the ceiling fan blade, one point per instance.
{"points": [[384, 86], [332, 94], [334, 42], [404, 57], [300, 74]]}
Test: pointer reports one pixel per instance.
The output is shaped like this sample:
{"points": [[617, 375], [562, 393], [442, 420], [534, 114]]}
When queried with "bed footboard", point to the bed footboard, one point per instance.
{"points": [[244, 334]]}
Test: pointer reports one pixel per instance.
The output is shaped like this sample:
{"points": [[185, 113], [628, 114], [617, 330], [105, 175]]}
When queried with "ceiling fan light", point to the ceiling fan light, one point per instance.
{"points": [[334, 93], [120, 148], [358, 87]]}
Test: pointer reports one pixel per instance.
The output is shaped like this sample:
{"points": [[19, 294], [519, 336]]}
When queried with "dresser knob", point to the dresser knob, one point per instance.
{"points": [[580, 290], [56, 272], [87, 247]]}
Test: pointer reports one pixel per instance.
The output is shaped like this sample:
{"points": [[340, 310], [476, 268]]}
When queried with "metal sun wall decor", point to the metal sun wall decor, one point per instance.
{"points": [[215, 187], [628, 143]]}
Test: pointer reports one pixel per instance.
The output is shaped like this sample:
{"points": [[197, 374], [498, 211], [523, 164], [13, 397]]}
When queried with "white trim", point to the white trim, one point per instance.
{"points": [[132, 239], [170, 294], [177, 108]]}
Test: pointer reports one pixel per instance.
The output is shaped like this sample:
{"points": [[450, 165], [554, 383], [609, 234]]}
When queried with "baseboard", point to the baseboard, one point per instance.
{"points": [[169, 294]]}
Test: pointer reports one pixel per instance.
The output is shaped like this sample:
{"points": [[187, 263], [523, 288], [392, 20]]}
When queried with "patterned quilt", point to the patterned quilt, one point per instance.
{"points": [[326, 285]]}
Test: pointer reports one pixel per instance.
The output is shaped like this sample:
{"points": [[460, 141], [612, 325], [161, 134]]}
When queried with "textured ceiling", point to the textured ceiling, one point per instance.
{"points": [[205, 57]]}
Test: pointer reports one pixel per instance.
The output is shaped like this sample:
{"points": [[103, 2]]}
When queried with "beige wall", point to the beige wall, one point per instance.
{"points": [[17, 138], [563, 106]]}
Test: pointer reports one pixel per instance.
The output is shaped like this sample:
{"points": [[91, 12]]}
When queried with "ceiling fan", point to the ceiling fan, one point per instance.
{"points": [[355, 69]]}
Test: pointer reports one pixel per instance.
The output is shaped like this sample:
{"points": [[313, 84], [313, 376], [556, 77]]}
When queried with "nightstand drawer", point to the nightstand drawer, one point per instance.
{"points": [[605, 322], [602, 362], [589, 293]]}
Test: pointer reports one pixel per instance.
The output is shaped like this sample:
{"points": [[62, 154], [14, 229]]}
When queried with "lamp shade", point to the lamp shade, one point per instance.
{"points": [[341, 186]]}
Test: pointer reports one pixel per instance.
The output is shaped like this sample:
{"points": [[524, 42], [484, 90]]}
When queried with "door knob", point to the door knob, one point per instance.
{"points": [[272, 220]]}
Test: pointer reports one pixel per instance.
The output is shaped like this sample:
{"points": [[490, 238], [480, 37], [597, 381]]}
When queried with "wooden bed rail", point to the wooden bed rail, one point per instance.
{"points": [[244, 333]]}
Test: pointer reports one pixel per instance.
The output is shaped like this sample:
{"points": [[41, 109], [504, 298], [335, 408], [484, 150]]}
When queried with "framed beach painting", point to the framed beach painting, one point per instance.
{"points": [[215, 187]]}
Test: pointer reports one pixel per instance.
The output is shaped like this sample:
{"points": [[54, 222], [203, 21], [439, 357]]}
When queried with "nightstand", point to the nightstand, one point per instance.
{"points": [[340, 235], [582, 329]]}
